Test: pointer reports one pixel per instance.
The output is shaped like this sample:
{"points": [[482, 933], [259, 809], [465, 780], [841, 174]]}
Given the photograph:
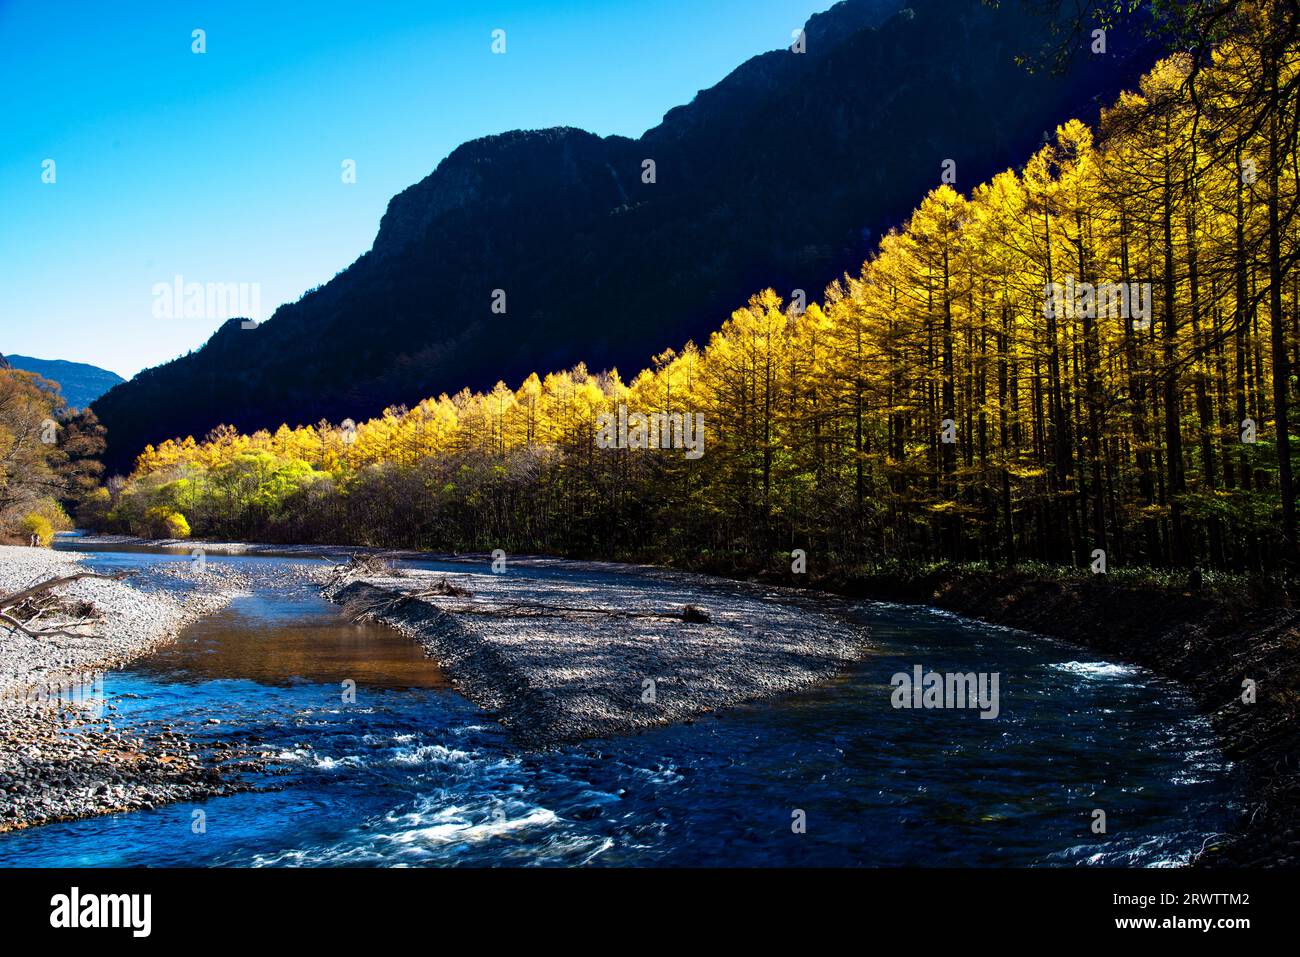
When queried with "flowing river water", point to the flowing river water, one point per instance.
{"points": [[414, 774]]}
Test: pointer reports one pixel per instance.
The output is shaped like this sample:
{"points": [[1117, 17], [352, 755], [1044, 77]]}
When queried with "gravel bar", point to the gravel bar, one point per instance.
{"points": [[560, 659]]}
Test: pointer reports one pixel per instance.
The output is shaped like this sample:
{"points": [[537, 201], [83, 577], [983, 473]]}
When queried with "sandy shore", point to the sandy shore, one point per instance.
{"points": [[62, 759], [561, 660]]}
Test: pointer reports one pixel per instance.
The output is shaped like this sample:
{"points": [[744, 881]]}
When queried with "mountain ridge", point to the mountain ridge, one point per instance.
{"points": [[782, 174], [80, 383]]}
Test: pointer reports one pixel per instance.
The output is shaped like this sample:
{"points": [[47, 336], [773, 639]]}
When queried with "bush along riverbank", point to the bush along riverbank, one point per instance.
{"points": [[1234, 646]]}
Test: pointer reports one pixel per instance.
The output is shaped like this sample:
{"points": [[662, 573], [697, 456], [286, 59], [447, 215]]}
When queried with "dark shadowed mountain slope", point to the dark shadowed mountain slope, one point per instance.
{"points": [[783, 174], [79, 383]]}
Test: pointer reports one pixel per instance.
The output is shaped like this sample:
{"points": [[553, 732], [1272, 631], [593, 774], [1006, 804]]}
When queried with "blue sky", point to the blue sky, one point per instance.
{"points": [[225, 167]]}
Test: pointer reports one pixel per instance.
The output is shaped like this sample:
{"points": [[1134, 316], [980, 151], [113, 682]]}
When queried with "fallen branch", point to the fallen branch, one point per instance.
{"points": [[16, 625], [441, 589], [9, 601], [690, 613], [41, 595], [361, 566]]}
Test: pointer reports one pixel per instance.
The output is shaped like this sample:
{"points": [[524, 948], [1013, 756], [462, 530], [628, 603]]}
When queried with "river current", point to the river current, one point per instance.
{"points": [[414, 774]]}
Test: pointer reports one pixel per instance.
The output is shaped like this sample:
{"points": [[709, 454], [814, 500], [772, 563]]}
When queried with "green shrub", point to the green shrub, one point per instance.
{"points": [[38, 525], [177, 526], [163, 522]]}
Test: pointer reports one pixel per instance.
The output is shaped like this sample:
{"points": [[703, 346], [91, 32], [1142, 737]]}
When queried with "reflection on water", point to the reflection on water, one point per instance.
{"points": [[290, 640]]}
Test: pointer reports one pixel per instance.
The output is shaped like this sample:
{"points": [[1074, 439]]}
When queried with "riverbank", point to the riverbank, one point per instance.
{"points": [[60, 756], [209, 547]]}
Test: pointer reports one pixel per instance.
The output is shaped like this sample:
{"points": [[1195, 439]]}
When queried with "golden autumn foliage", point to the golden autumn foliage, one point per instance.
{"points": [[1091, 352]]}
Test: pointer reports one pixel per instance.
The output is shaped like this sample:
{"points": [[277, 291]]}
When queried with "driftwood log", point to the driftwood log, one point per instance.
{"points": [[376, 566], [369, 608], [23, 609]]}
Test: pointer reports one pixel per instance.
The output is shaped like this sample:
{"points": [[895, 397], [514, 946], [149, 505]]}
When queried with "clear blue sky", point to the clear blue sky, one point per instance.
{"points": [[225, 166]]}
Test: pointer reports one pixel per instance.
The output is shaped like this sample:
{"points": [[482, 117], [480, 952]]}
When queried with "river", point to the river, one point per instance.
{"points": [[414, 774]]}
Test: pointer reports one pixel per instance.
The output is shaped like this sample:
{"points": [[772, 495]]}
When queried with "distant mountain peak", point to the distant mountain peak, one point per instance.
{"points": [[491, 172], [79, 383], [567, 154]]}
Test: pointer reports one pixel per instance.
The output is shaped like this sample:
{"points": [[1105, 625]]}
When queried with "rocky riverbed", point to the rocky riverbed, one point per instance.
{"points": [[561, 659], [60, 756]]}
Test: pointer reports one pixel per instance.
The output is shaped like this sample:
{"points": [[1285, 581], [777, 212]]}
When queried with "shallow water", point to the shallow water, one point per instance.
{"points": [[281, 641], [413, 774]]}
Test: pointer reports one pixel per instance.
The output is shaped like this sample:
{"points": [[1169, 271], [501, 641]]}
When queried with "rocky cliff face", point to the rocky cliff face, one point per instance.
{"points": [[783, 174]]}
